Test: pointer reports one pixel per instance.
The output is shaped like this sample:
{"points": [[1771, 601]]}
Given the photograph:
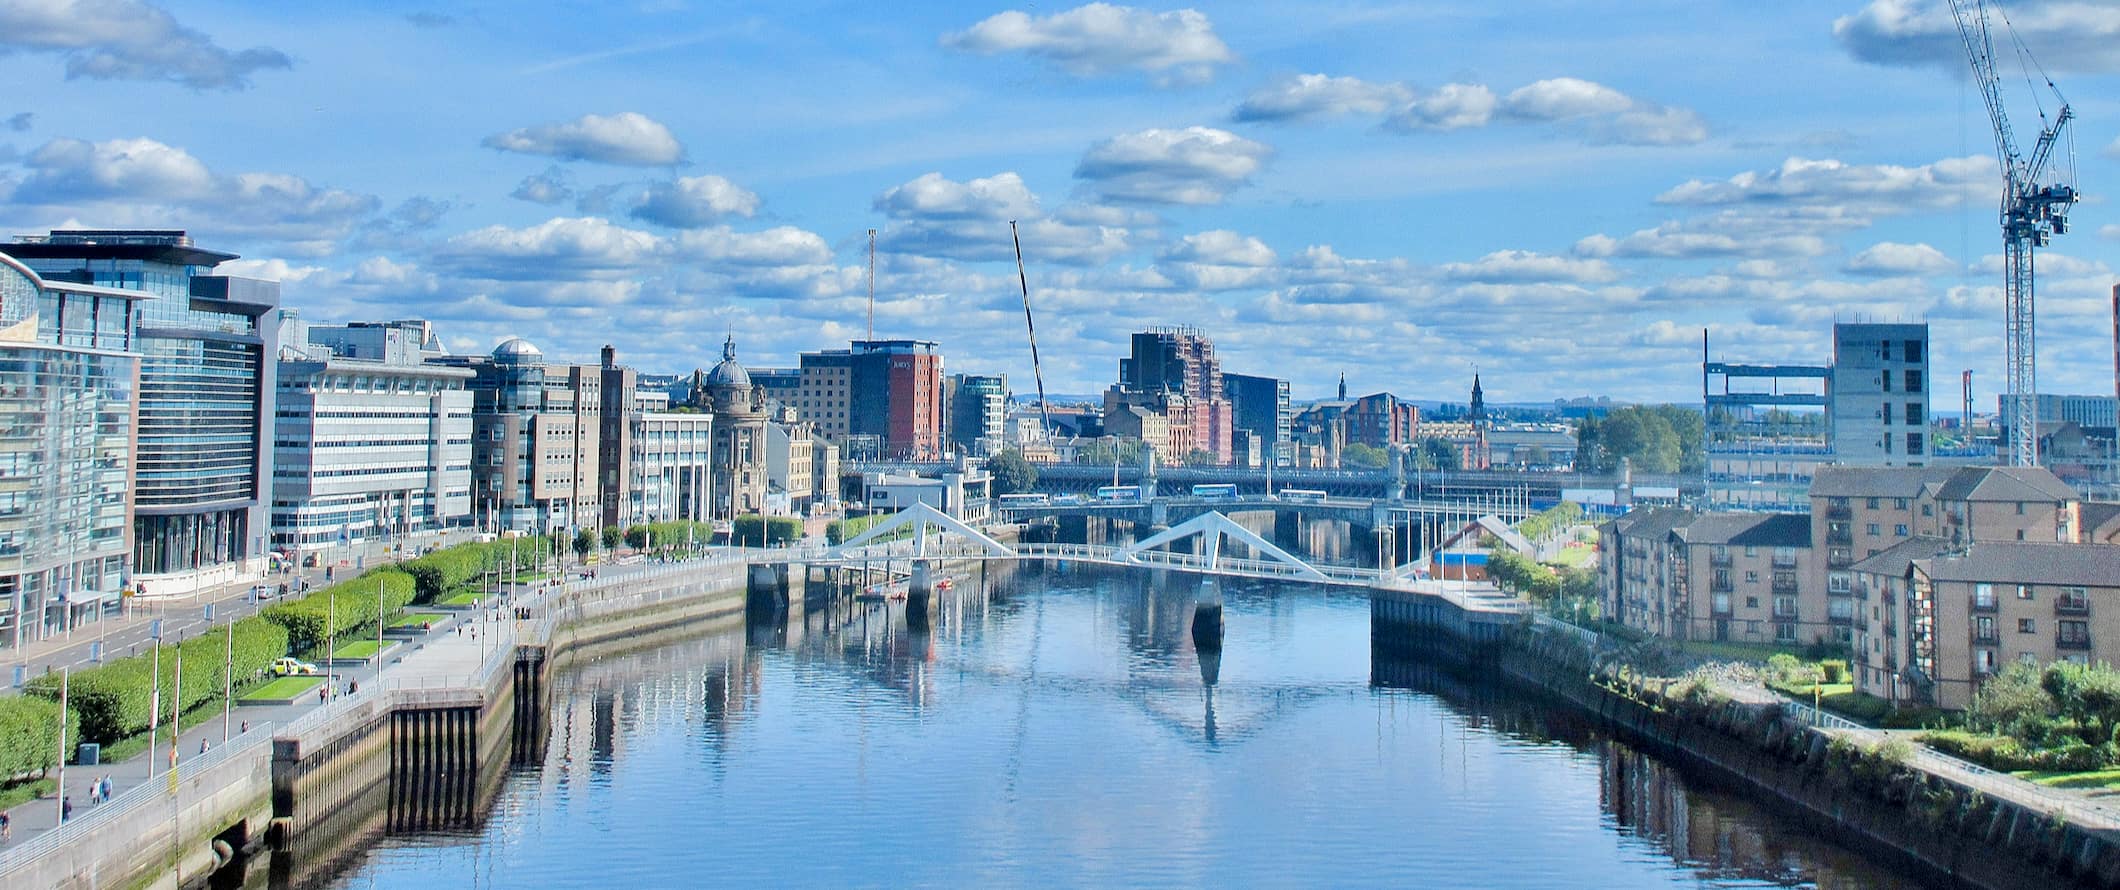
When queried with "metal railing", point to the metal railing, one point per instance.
{"points": [[152, 790]]}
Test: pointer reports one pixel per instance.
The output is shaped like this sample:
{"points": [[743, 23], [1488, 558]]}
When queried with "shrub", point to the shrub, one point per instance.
{"points": [[112, 701], [773, 531], [29, 734], [1833, 671], [350, 604]]}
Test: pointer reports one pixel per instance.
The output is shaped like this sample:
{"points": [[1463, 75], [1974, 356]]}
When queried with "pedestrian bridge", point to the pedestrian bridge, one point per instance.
{"points": [[936, 535]]}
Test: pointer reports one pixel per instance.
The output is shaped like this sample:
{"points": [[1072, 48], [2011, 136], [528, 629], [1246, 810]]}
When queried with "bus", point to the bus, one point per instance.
{"points": [[1301, 495], [1221, 492], [1024, 500], [1119, 493]]}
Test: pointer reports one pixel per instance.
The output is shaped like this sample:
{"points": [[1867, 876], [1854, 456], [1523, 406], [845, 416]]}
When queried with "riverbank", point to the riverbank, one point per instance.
{"points": [[1884, 797]]}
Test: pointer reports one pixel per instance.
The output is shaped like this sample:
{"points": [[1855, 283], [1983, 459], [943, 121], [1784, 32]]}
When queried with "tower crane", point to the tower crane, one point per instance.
{"points": [[2032, 212]]}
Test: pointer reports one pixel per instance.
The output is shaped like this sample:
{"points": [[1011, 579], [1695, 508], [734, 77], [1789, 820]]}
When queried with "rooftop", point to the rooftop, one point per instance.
{"points": [[1895, 559], [154, 245], [2005, 484], [1876, 482], [2014, 562], [1748, 529]]}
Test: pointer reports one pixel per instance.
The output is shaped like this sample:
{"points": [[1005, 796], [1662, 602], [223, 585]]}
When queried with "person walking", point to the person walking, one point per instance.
{"points": [[66, 808], [7, 827]]}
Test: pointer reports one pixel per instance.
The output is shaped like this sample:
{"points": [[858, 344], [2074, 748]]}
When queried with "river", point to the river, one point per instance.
{"points": [[1057, 728]]}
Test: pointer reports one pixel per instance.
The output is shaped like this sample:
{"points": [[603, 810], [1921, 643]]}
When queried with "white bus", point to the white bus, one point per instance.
{"points": [[1218, 492], [1025, 500], [1301, 495], [1119, 493]]}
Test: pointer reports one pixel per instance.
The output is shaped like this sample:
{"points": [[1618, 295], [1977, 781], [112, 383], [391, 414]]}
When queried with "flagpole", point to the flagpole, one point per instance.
{"points": [[228, 680], [154, 709], [60, 793]]}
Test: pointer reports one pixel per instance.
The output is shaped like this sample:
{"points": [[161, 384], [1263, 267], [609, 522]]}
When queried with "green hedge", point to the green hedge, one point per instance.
{"points": [[352, 603], [2000, 752], [437, 574], [664, 535], [840, 531], [112, 700], [773, 530], [29, 735]]}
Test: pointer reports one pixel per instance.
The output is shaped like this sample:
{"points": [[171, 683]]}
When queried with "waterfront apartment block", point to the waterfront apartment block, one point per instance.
{"points": [[1947, 617], [68, 379], [367, 448], [201, 456], [1738, 577], [1880, 394]]}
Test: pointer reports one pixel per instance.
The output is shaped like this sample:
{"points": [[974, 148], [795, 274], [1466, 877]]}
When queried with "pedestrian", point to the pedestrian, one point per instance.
{"points": [[323, 693], [202, 746], [246, 729], [7, 827], [105, 783], [66, 808]]}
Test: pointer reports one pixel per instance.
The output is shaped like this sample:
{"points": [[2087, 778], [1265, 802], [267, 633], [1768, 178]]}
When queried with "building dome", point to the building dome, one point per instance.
{"points": [[516, 350], [729, 373]]}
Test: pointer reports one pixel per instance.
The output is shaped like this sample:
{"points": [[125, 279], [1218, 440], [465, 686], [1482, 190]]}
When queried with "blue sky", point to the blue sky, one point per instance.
{"points": [[1561, 194]]}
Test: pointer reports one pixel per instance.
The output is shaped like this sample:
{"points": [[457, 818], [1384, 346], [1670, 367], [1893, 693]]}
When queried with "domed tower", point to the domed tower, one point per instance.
{"points": [[739, 461], [729, 385]]}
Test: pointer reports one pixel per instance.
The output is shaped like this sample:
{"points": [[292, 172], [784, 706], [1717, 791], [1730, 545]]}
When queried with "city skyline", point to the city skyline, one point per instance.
{"points": [[1388, 191]]}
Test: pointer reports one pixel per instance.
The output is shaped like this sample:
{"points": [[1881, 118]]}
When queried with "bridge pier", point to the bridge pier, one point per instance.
{"points": [[920, 591], [1287, 529], [1386, 547], [1207, 618], [766, 592]]}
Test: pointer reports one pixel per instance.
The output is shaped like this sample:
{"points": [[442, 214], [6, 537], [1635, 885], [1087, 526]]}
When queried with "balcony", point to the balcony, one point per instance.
{"points": [[1840, 512], [2072, 605], [1784, 562], [1786, 587], [1721, 585], [1985, 636], [2080, 642], [1719, 559], [1785, 612], [1983, 604], [1842, 538], [1841, 620]]}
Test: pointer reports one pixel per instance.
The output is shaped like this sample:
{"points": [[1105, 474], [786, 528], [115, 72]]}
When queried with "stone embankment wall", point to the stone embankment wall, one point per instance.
{"points": [[1928, 826]]}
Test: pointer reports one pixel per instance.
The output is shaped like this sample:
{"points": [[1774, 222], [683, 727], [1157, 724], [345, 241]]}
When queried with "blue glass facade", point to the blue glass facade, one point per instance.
{"points": [[203, 458], [66, 424]]}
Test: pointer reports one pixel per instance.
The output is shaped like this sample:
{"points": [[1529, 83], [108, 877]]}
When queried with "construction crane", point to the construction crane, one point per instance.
{"points": [[1045, 420], [2032, 212]]}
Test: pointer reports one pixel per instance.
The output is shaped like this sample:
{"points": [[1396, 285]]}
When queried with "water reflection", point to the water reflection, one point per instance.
{"points": [[1057, 726]]}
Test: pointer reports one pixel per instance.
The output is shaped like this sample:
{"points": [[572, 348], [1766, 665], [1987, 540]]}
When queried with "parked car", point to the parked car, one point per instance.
{"points": [[290, 667]]}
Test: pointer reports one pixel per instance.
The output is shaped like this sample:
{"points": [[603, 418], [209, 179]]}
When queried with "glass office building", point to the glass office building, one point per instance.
{"points": [[204, 403], [68, 391]]}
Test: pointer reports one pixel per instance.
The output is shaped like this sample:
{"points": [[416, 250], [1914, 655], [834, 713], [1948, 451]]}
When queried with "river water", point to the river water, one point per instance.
{"points": [[1057, 728]]}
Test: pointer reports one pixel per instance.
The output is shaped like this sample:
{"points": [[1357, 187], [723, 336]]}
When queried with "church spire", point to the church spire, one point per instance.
{"points": [[1343, 386], [1479, 400]]}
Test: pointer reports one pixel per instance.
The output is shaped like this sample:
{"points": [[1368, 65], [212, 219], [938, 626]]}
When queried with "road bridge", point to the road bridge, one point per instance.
{"points": [[1539, 487]]}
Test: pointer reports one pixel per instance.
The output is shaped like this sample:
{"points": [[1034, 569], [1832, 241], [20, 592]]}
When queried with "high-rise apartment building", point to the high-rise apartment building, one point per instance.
{"points": [[876, 399], [1261, 407], [68, 378], [1880, 394], [978, 412], [1174, 372], [202, 454]]}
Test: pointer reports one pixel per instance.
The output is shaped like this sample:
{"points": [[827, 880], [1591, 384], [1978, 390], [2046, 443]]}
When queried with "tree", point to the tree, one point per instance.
{"points": [[1012, 473], [1201, 457], [1439, 454], [611, 537], [1363, 456], [637, 536], [2011, 700], [1653, 439], [583, 543], [1105, 452]]}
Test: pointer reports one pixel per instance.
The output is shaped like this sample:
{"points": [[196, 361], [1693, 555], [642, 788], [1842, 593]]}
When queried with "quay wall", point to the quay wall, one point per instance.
{"points": [[1935, 827]]}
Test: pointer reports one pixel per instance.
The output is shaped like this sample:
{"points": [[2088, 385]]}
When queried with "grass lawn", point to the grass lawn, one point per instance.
{"points": [[131, 746], [2096, 780], [26, 791], [357, 649], [415, 619], [1726, 651], [531, 577], [463, 598], [1575, 557], [283, 688]]}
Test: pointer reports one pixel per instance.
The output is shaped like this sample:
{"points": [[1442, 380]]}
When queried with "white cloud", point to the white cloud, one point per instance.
{"points": [[128, 40], [1875, 188], [1218, 260], [1673, 241], [778, 246], [932, 196], [1195, 165], [1598, 112], [694, 201], [132, 180], [556, 248], [1100, 38], [1450, 107], [1561, 98], [1318, 95], [627, 138], [554, 186], [2067, 35], [1523, 266], [1887, 258]]}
